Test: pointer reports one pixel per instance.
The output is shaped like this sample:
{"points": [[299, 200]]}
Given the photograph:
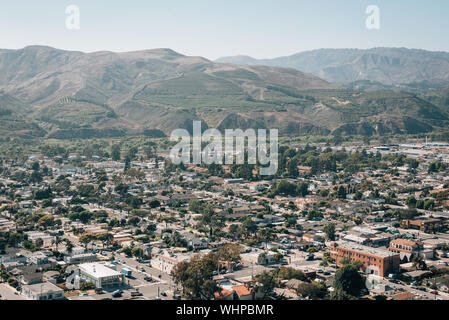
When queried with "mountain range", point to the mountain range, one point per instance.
{"points": [[47, 92], [391, 68]]}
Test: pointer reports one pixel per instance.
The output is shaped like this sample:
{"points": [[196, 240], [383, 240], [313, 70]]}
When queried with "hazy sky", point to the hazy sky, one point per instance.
{"points": [[212, 28]]}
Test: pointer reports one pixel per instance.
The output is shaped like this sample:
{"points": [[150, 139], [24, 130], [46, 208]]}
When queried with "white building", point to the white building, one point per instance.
{"points": [[166, 263], [100, 275], [43, 291], [34, 235]]}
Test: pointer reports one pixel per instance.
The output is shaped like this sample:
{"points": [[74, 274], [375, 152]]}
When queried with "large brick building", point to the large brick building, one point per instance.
{"points": [[424, 225], [374, 261]]}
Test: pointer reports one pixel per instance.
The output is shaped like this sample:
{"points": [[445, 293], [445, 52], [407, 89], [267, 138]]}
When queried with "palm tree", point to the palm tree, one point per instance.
{"points": [[68, 245], [56, 241]]}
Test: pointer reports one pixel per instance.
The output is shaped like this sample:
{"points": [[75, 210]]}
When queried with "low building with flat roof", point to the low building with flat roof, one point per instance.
{"points": [[100, 275], [43, 291]]}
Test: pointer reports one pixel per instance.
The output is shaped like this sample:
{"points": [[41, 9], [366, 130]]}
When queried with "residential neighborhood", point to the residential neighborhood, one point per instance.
{"points": [[118, 223]]}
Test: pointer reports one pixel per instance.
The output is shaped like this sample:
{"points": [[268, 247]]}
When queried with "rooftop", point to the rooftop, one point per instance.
{"points": [[98, 270], [365, 249], [42, 287]]}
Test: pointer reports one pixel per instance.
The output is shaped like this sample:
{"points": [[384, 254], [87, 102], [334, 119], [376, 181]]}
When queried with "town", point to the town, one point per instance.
{"points": [[109, 220]]}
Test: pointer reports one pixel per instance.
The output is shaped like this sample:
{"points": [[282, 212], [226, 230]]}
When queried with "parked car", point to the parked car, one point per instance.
{"points": [[136, 294], [117, 294]]}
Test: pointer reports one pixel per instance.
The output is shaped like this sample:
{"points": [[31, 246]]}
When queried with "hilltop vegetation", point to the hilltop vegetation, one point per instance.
{"points": [[62, 94]]}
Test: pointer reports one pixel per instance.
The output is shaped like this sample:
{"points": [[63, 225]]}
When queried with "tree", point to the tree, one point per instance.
{"points": [[267, 283], [68, 245], [261, 259], [411, 202], [105, 238], [291, 273], [35, 166], [341, 193], [39, 243], [57, 241], [249, 227], [134, 221], [327, 259], [330, 231], [229, 252], [196, 277], [85, 239], [419, 263], [115, 152], [46, 221], [349, 280], [35, 177], [86, 190], [266, 235], [127, 251], [293, 168], [314, 290], [137, 252], [341, 295], [154, 203], [150, 229]]}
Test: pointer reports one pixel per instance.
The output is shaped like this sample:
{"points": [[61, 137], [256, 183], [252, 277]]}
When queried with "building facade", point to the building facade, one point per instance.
{"points": [[374, 261], [100, 275]]}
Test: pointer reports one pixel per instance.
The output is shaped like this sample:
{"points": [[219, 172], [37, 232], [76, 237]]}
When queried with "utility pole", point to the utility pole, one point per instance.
{"points": [[435, 285]]}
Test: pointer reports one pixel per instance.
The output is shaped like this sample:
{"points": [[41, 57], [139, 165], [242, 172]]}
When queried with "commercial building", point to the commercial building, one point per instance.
{"points": [[409, 249], [424, 225], [167, 263], [43, 291], [100, 275], [374, 260], [81, 258]]}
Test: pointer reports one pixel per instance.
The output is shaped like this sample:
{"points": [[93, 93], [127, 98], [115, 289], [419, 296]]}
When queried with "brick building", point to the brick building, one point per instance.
{"points": [[374, 260], [424, 225]]}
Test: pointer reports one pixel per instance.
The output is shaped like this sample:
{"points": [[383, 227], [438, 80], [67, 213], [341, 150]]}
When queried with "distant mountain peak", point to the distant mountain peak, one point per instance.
{"points": [[389, 66]]}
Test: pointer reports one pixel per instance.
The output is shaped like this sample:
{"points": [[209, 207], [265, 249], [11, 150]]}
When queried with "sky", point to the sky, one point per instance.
{"points": [[212, 28]]}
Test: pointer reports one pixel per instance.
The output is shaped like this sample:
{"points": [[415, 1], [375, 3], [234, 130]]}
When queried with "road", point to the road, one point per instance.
{"points": [[9, 293], [161, 282], [425, 294]]}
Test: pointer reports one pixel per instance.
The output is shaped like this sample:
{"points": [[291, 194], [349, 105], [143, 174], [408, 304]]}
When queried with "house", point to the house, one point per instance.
{"points": [[242, 292], [38, 258], [51, 276], [402, 296], [80, 258], [416, 275], [166, 263], [198, 243], [293, 284], [224, 294]]}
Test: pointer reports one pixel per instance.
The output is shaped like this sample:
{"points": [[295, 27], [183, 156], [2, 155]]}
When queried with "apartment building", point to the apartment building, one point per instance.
{"points": [[374, 260]]}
